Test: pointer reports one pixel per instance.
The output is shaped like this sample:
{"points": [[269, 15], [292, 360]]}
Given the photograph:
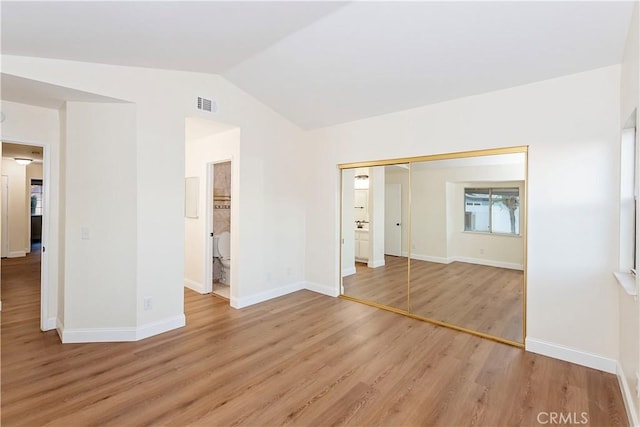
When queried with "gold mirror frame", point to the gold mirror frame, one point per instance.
{"points": [[427, 158]]}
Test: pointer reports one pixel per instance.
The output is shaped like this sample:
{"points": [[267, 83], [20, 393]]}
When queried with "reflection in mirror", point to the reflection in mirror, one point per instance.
{"points": [[375, 233], [466, 242]]}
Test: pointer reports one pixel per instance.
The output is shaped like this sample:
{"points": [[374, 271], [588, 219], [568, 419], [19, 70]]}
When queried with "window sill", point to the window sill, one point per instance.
{"points": [[627, 281]]}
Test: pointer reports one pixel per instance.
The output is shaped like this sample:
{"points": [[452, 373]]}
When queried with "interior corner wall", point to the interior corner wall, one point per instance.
{"points": [[100, 215], [348, 263], [59, 225], [199, 153], [499, 250], [629, 307], [27, 124], [438, 220], [571, 293], [376, 214], [272, 183]]}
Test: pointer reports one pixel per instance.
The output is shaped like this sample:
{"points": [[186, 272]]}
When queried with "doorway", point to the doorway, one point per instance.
{"points": [[219, 219], [212, 148], [25, 215], [393, 220]]}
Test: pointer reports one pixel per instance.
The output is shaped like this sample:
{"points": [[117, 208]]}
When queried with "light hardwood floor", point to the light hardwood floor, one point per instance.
{"points": [[478, 297], [302, 359]]}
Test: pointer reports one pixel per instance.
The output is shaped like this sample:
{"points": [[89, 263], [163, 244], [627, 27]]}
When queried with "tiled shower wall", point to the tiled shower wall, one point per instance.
{"points": [[221, 197]]}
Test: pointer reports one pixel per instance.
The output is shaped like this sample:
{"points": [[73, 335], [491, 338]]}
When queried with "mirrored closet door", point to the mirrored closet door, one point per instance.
{"points": [[374, 227], [440, 238]]}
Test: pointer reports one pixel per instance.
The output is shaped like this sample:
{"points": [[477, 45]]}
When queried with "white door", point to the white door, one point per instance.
{"points": [[393, 219], [5, 216]]}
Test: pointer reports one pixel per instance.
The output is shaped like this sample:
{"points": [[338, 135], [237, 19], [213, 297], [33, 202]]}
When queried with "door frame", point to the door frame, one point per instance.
{"points": [[5, 218], [47, 320]]}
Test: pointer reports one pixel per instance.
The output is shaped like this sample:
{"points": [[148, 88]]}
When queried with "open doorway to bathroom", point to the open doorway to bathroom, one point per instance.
{"points": [[212, 162], [221, 226]]}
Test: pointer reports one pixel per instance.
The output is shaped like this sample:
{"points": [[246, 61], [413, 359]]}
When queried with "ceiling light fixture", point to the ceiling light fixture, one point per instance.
{"points": [[23, 162]]}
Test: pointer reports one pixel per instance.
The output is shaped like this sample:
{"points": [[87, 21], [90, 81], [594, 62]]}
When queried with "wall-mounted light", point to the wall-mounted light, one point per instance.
{"points": [[361, 182], [23, 162]]}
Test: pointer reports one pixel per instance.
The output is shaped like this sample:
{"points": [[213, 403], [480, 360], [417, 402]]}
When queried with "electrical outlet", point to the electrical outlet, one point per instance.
{"points": [[481, 251], [289, 272], [148, 303]]}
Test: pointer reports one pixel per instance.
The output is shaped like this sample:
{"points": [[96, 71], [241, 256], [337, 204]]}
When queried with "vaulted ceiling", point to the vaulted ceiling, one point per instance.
{"points": [[324, 63]]}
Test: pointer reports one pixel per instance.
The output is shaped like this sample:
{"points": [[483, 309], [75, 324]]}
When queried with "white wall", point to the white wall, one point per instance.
{"points": [[272, 181], [26, 124], [199, 153], [629, 309], [498, 250], [18, 225], [348, 221], [376, 217], [100, 212], [570, 124], [437, 205], [59, 226], [437, 219]]}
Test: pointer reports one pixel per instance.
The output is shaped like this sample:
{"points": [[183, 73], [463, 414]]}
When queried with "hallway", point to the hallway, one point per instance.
{"points": [[21, 290]]}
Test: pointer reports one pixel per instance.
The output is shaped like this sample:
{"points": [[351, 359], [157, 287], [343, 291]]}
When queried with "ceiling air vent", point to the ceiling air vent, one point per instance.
{"points": [[206, 105]]}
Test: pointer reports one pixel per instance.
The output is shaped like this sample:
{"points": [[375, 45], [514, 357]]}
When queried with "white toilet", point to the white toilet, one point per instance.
{"points": [[221, 245]]}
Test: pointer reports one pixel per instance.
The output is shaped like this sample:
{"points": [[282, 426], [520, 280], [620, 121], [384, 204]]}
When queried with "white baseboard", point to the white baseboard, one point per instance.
{"points": [[126, 333], [85, 335], [375, 263], [59, 328], [478, 261], [194, 286], [160, 326], [17, 254], [348, 271], [267, 295], [572, 355], [627, 396], [489, 262], [322, 289], [50, 324], [429, 258]]}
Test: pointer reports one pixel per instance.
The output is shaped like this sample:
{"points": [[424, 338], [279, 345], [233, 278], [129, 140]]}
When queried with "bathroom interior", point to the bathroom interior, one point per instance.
{"points": [[221, 229]]}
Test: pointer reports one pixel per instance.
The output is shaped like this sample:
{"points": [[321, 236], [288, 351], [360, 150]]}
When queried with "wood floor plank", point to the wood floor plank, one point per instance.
{"points": [[477, 297], [302, 359]]}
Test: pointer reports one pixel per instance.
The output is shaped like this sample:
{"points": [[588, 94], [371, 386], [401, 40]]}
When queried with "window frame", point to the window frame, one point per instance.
{"points": [[490, 191]]}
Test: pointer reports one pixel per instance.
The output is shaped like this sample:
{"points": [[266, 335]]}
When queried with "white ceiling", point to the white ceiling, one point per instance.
{"points": [[323, 63], [25, 91]]}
